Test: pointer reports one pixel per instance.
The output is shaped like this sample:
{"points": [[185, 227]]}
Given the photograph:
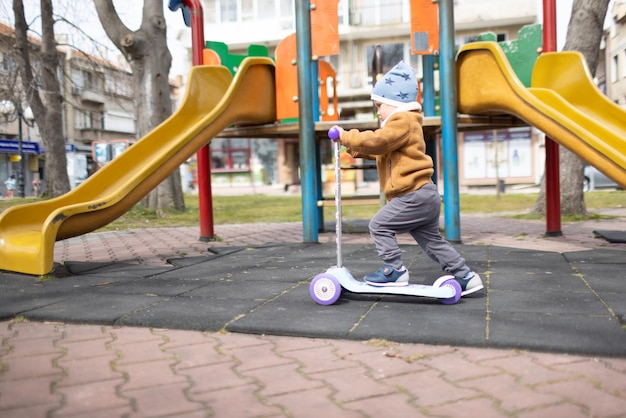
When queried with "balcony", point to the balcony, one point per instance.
{"points": [[92, 96]]}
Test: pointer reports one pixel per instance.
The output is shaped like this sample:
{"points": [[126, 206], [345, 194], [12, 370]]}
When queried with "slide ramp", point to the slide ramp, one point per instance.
{"points": [[562, 102], [213, 101]]}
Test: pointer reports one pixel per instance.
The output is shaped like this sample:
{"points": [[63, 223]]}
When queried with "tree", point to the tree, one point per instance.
{"points": [[43, 93], [146, 51], [584, 34]]}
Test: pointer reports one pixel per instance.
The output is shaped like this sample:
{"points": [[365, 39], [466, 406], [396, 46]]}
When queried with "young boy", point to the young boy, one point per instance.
{"points": [[405, 171]]}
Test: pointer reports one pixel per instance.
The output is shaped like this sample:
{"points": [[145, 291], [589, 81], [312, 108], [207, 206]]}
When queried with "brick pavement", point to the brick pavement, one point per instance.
{"points": [[59, 370]]}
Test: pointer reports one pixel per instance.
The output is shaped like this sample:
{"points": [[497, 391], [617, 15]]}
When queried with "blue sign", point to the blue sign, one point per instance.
{"points": [[13, 147]]}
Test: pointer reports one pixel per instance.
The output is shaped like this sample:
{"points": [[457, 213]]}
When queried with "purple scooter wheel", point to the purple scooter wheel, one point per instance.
{"points": [[457, 292], [325, 289]]}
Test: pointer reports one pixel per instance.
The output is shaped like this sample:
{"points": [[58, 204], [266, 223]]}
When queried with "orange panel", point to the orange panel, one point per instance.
{"points": [[424, 27], [210, 57], [287, 83], [327, 75], [286, 79], [324, 28]]}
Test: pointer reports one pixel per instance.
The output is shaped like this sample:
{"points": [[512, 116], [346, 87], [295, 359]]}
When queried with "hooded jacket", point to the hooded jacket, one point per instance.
{"points": [[399, 149]]}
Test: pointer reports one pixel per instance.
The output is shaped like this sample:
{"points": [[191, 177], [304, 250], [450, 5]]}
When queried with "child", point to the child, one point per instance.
{"points": [[10, 185], [404, 171]]}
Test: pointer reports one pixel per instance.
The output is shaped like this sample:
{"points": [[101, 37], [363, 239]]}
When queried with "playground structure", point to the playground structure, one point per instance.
{"points": [[216, 103]]}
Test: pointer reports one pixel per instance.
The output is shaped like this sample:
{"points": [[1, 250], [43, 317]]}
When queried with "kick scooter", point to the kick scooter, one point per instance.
{"points": [[326, 288]]}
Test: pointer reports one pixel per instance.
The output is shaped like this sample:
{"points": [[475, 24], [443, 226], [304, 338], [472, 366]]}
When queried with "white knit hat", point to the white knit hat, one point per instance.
{"points": [[397, 87]]}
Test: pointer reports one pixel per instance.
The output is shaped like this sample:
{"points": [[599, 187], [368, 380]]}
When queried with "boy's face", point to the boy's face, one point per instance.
{"points": [[383, 110]]}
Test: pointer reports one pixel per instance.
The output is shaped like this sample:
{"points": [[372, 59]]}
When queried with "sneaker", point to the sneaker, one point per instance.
{"points": [[387, 275], [470, 283]]}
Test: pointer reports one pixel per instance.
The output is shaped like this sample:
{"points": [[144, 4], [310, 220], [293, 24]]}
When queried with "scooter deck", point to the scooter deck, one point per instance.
{"points": [[349, 283]]}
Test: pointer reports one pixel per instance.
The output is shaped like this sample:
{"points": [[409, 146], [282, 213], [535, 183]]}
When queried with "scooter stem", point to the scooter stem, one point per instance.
{"points": [[334, 133], [338, 201]]}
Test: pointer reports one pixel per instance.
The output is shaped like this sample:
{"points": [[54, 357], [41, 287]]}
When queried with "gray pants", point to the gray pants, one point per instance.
{"points": [[418, 214]]}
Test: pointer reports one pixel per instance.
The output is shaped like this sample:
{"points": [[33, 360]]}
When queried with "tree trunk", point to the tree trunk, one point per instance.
{"points": [[584, 34], [146, 52], [47, 102]]}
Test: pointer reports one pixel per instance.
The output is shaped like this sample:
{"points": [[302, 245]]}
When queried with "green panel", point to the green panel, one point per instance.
{"points": [[487, 37], [232, 61], [522, 52]]}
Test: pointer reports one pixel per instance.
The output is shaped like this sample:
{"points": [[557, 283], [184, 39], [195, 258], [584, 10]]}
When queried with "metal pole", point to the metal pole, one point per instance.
{"points": [[428, 85], [205, 198], [428, 105], [449, 128], [307, 124], [20, 173], [552, 180], [338, 216]]}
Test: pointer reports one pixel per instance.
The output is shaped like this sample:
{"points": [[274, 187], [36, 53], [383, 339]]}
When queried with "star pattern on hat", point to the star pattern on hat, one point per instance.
{"points": [[397, 86]]}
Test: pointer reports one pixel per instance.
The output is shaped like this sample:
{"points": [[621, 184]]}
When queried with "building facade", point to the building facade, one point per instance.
{"points": [[98, 107], [99, 112], [614, 77]]}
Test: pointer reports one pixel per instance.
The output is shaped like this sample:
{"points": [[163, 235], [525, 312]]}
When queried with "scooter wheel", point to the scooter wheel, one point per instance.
{"points": [[457, 292], [325, 289]]}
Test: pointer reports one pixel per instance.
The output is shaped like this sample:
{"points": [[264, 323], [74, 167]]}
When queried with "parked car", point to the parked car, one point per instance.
{"points": [[595, 179]]}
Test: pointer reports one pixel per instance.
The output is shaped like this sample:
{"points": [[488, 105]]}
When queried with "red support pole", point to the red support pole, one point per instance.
{"points": [[205, 202], [552, 170]]}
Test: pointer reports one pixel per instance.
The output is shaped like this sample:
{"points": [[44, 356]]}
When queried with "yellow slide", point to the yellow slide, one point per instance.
{"points": [[562, 102], [213, 101]]}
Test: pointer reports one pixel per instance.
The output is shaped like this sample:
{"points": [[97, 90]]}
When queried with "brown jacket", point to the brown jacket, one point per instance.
{"points": [[399, 150]]}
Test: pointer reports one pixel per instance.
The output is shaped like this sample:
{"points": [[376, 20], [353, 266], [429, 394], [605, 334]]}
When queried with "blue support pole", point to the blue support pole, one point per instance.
{"points": [[449, 128], [306, 82], [428, 104], [318, 165], [428, 84]]}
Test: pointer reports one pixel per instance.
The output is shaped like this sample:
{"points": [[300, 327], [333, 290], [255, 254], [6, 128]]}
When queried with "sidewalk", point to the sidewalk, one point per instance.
{"points": [[148, 323]]}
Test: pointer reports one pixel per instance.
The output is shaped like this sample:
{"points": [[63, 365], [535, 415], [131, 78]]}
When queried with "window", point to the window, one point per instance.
{"points": [[230, 154], [379, 12], [118, 84], [84, 119], [286, 8], [210, 11], [228, 11], [119, 122], [88, 80], [267, 9], [507, 154], [615, 69], [247, 10], [77, 80], [8, 62], [93, 81], [231, 11]]}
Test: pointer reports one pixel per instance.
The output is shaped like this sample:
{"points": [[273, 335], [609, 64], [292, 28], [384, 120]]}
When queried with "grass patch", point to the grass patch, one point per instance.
{"points": [[7, 203], [512, 202], [261, 208]]}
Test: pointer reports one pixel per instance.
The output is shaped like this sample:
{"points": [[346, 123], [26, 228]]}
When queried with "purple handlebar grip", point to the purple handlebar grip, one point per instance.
{"points": [[333, 133]]}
